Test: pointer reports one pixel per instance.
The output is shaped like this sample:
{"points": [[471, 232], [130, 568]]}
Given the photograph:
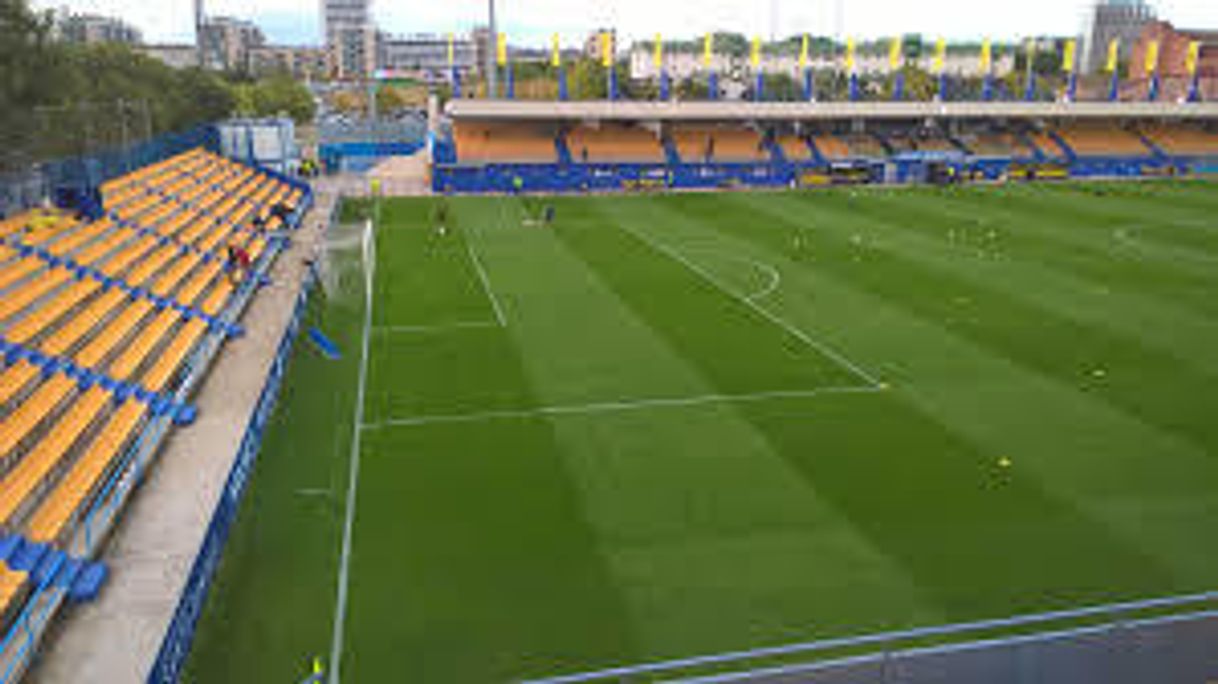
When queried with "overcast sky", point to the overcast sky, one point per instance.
{"points": [[532, 21]]}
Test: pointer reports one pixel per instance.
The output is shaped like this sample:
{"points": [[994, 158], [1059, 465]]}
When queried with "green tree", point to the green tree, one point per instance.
{"points": [[281, 94]]}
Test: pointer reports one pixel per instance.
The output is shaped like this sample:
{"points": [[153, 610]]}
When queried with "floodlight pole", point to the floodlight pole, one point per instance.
{"points": [[492, 78]]}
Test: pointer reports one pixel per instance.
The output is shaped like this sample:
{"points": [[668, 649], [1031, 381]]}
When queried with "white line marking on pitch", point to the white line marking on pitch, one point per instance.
{"points": [[773, 318], [340, 601], [314, 491], [622, 405], [775, 279], [406, 329], [486, 284]]}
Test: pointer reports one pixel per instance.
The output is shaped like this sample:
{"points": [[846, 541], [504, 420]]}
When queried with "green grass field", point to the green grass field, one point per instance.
{"points": [[676, 425]]}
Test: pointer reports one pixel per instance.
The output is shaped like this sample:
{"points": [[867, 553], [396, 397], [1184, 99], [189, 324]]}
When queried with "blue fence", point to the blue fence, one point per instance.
{"points": [[361, 156], [178, 638], [579, 177], [73, 182]]}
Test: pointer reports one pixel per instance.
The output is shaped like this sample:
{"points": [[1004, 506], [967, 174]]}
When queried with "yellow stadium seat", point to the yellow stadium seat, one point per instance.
{"points": [[14, 586], [32, 470], [504, 142], [18, 425], [613, 143]]}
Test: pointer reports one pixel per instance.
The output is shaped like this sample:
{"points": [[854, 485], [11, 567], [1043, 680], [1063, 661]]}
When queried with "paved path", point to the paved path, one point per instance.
{"points": [[115, 639], [403, 175]]}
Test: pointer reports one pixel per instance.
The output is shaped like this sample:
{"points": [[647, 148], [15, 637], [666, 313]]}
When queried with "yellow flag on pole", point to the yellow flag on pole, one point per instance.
{"points": [[850, 54], [940, 61], [1114, 52], [803, 53], [1068, 56], [451, 49], [708, 47], [1194, 56], [1152, 57], [987, 56], [555, 51], [658, 55], [755, 54], [606, 49], [501, 49], [894, 53]]}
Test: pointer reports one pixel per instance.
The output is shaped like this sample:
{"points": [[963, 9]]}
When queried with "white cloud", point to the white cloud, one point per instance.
{"points": [[536, 19]]}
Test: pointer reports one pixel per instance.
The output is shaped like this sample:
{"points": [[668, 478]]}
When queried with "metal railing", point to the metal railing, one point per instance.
{"points": [[753, 662]]}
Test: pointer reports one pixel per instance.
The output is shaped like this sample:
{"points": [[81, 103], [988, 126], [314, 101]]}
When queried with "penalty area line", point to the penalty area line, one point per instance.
{"points": [[622, 405], [456, 325], [765, 313], [486, 285]]}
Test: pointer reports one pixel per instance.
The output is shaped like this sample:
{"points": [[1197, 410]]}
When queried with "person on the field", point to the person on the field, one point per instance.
{"points": [[441, 217]]}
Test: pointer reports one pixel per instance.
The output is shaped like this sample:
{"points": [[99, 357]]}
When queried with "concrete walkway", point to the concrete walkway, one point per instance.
{"points": [[403, 175], [115, 639]]}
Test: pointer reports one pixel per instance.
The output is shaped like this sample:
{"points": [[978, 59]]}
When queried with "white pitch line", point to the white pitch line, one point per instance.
{"points": [[773, 318], [340, 601], [486, 285], [620, 406], [437, 328], [775, 280], [314, 491]]}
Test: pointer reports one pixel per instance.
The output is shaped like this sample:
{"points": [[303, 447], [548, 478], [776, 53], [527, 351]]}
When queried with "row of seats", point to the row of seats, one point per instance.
{"points": [[1102, 140], [164, 237], [1183, 140], [14, 585], [488, 143], [614, 143], [617, 143], [696, 144], [996, 144]]}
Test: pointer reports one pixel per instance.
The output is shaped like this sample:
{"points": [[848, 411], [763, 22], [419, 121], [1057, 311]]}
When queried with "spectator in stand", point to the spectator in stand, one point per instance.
{"points": [[238, 264]]}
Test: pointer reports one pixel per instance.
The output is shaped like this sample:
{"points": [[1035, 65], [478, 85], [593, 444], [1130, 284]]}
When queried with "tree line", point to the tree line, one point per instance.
{"points": [[59, 99]]}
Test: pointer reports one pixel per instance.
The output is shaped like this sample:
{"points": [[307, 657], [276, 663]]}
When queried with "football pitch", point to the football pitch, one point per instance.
{"points": [[674, 425]]}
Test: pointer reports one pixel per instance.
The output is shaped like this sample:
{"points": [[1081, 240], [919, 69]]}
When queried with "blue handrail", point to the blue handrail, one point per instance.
{"points": [[953, 629]]}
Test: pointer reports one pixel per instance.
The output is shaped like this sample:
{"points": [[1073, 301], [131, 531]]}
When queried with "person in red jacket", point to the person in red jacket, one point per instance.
{"points": [[239, 263]]}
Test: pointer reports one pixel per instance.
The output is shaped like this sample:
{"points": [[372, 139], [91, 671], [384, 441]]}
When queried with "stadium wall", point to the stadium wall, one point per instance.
{"points": [[494, 178]]}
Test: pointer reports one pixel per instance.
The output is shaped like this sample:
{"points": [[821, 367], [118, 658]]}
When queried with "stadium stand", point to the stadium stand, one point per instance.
{"points": [[488, 143], [794, 147], [103, 329], [1102, 140], [614, 143], [724, 144], [996, 144], [923, 141], [863, 145], [717, 144], [831, 147], [1044, 142], [1184, 140]]}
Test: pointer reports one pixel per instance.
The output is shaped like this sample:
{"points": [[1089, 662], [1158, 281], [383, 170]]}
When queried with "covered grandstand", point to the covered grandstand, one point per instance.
{"points": [[499, 145]]}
